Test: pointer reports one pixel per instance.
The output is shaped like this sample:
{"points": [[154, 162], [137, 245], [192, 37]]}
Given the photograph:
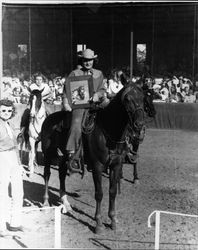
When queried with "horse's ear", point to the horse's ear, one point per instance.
{"points": [[29, 89], [42, 90]]}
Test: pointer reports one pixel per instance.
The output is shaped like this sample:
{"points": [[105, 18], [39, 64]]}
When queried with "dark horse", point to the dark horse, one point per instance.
{"points": [[135, 141], [104, 144]]}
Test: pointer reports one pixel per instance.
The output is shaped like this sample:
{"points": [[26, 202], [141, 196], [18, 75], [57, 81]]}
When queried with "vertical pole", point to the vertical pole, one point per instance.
{"points": [[131, 56], [1, 51], [153, 37], [57, 228], [30, 41], [112, 39], [194, 42], [157, 229], [71, 38]]}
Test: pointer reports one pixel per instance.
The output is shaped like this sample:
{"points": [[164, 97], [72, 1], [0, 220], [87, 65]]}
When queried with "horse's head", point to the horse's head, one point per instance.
{"points": [[81, 92], [149, 107], [133, 100], [35, 102]]}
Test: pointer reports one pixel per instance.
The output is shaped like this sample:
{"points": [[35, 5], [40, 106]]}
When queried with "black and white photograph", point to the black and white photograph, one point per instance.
{"points": [[80, 90], [99, 124]]}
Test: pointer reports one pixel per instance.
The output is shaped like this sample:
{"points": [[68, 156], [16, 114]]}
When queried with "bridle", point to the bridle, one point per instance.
{"points": [[137, 109], [33, 117]]}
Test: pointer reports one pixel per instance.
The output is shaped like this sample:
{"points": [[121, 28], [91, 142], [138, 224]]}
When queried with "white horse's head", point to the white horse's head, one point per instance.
{"points": [[35, 102]]}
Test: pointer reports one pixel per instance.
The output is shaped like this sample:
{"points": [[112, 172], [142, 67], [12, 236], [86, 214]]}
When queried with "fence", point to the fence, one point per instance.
{"points": [[157, 223], [57, 222]]}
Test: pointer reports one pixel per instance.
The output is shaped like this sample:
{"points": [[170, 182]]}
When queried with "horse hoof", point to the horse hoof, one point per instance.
{"points": [[113, 226], [98, 229], [46, 204], [136, 181]]}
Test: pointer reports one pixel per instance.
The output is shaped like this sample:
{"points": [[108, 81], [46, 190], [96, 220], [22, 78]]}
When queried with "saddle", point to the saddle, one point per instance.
{"points": [[88, 121]]}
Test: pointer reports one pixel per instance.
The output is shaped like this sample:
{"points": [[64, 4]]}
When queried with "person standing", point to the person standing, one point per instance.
{"points": [[10, 172], [74, 138]]}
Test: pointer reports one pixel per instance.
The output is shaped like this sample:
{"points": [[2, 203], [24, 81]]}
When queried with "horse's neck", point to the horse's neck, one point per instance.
{"points": [[113, 120], [41, 112]]}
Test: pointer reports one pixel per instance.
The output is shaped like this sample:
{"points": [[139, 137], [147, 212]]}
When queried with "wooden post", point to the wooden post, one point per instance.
{"points": [[112, 40], [153, 37], [194, 42], [1, 52], [131, 56], [71, 38], [30, 41]]}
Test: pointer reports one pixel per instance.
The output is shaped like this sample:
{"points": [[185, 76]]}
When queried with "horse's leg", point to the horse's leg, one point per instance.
{"points": [[21, 150], [46, 176], [97, 178], [63, 196], [31, 155], [135, 173], [114, 176], [36, 154]]}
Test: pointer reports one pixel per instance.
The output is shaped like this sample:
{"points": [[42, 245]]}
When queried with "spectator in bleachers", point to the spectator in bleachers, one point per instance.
{"points": [[176, 83], [6, 92], [157, 95], [185, 90], [25, 88], [41, 85], [175, 96], [51, 99], [195, 87], [114, 84], [190, 97], [164, 91], [17, 91], [24, 99]]}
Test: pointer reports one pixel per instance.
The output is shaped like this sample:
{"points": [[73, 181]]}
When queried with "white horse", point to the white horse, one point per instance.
{"points": [[33, 122]]}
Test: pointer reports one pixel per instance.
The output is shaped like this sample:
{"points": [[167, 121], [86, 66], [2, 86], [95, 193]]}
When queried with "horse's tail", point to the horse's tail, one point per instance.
{"points": [[23, 137], [119, 186]]}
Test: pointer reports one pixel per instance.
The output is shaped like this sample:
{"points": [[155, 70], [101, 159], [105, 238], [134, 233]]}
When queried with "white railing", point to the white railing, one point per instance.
{"points": [[157, 223], [57, 222]]}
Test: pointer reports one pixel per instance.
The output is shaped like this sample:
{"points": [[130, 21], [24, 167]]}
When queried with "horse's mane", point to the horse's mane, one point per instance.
{"points": [[114, 116]]}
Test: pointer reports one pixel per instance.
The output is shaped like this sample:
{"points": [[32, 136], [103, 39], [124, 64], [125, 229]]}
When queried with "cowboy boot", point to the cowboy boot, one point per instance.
{"points": [[74, 165]]}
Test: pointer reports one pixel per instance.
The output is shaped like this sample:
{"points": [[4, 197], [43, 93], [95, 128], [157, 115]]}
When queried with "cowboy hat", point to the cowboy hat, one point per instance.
{"points": [[88, 54]]}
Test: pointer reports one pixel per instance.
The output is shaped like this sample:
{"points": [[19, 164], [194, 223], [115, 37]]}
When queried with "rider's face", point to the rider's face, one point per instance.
{"points": [[88, 63]]}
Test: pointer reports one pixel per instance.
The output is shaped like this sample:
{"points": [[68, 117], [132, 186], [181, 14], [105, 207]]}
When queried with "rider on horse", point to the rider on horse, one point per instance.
{"points": [[46, 93], [74, 138]]}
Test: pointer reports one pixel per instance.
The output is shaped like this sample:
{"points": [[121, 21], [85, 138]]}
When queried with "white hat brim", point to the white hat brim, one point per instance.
{"points": [[88, 58]]}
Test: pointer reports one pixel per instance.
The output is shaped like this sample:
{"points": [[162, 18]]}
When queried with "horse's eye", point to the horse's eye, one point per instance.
{"points": [[149, 94]]}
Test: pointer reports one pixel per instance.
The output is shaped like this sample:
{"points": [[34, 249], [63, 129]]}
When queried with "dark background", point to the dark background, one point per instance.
{"points": [[52, 33]]}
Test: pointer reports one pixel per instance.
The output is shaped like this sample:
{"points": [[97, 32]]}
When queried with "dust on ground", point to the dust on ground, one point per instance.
{"points": [[168, 172]]}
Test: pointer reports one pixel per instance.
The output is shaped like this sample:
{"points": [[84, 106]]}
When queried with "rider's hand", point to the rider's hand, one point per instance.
{"points": [[68, 108], [95, 98]]}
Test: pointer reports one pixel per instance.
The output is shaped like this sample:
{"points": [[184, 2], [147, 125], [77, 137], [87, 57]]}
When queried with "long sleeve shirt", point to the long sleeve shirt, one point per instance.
{"points": [[98, 81], [7, 137]]}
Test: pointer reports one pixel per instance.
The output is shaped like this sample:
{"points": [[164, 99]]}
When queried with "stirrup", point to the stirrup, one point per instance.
{"points": [[131, 158], [74, 166]]}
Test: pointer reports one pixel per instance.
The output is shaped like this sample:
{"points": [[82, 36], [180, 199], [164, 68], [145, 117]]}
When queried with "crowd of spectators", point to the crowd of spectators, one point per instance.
{"points": [[16, 86], [174, 89]]}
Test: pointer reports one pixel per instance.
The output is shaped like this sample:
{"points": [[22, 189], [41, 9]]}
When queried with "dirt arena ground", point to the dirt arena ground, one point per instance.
{"points": [[168, 172]]}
